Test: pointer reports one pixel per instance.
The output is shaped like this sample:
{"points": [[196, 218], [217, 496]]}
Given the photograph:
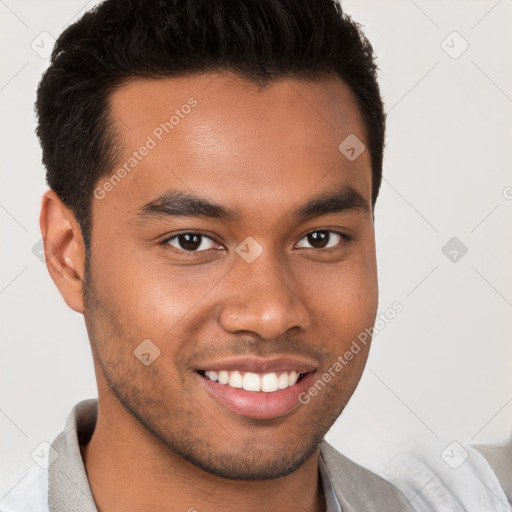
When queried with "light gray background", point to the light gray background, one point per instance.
{"points": [[442, 367]]}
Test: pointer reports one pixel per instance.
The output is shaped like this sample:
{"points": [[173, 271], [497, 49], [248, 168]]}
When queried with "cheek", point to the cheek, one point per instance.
{"points": [[343, 297], [172, 295], [153, 301], [146, 288]]}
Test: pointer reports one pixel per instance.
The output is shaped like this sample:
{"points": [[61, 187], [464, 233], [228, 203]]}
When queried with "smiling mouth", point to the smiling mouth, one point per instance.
{"points": [[258, 382]]}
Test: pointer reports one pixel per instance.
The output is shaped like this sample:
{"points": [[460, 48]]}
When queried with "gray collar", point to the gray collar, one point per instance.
{"points": [[68, 486]]}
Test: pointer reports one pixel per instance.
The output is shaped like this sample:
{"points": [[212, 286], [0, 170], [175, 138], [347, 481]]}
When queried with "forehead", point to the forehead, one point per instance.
{"points": [[229, 139]]}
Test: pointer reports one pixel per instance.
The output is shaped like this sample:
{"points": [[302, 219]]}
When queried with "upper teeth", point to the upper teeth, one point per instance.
{"points": [[266, 382]]}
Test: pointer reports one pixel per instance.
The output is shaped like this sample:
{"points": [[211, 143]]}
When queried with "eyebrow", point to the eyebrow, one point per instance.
{"points": [[175, 203], [344, 199]]}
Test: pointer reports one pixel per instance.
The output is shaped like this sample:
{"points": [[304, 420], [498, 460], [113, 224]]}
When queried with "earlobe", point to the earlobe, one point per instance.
{"points": [[64, 249]]}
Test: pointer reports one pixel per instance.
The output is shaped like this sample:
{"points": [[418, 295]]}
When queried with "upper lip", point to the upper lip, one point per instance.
{"points": [[261, 365]]}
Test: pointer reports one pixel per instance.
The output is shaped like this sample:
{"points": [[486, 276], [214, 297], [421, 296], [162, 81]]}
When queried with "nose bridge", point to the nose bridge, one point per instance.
{"points": [[262, 298]]}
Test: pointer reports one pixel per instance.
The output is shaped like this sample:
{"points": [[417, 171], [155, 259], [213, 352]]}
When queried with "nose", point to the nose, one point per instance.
{"points": [[262, 299]]}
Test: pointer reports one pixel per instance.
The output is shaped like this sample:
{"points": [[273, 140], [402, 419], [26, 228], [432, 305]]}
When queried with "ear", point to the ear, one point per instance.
{"points": [[64, 249]]}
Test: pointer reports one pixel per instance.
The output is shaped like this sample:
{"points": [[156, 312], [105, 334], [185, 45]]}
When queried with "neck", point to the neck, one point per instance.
{"points": [[152, 477]]}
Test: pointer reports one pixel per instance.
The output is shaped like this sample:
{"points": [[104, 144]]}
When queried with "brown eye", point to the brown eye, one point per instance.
{"points": [[321, 239], [191, 242], [318, 239]]}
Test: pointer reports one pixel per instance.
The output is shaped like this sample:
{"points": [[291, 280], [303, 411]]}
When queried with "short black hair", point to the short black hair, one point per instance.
{"points": [[119, 40]]}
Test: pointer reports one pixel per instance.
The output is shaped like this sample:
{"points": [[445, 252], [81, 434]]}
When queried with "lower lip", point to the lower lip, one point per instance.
{"points": [[258, 404]]}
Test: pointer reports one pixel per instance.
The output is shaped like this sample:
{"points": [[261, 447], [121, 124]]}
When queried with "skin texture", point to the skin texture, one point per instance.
{"points": [[162, 442]]}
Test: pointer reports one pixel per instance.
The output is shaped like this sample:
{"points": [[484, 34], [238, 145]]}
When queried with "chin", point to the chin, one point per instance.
{"points": [[252, 462]]}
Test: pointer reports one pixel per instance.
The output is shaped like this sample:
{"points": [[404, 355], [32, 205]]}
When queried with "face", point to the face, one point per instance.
{"points": [[239, 246]]}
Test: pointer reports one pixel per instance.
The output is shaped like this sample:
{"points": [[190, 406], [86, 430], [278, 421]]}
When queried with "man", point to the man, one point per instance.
{"points": [[213, 168]]}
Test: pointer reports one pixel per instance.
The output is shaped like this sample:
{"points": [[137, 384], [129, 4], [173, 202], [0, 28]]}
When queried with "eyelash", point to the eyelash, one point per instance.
{"points": [[345, 238]]}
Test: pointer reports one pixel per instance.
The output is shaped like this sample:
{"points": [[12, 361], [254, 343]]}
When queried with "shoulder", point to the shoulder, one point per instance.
{"points": [[499, 457], [358, 488], [443, 475]]}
